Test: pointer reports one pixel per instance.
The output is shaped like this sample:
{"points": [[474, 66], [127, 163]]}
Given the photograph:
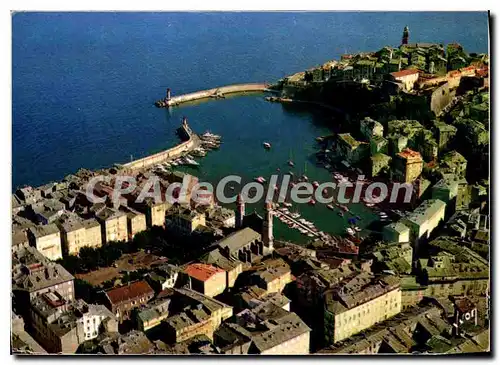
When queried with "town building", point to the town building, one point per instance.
{"points": [[411, 129], [28, 195], [221, 216], [193, 314], [408, 165], [136, 221], [122, 300], [22, 342], [47, 240], [348, 148], [152, 314], [396, 232], [93, 236], [19, 239], [47, 211], [232, 266], [113, 225], [185, 325], [444, 134], [73, 234], [454, 163], [266, 330], [380, 163], [407, 78], [206, 279], [131, 343], [424, 218], [446, 189], [154, 211], [244, 245], [253, 296], [359, 303], [379, 145], [272, 275], [395, 257], [61, 326], [397, 143], [184, 220], [163, 277], [33, 275], [451, 268], [463, 198], [415, 328], [370, 128]]}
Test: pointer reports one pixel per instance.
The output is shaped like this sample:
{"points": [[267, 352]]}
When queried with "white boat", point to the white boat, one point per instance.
{"points": [[260, 179], [350, 231], [190, 161], [267, 145], [310, 235], [357, 229]]}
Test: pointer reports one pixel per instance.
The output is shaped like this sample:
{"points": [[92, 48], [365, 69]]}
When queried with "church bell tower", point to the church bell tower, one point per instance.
{"points": [[240, 211], [267, 228]]}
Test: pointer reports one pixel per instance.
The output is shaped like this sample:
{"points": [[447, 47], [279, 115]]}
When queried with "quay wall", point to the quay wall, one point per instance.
{"points": [[175, 100], [191, 143]]}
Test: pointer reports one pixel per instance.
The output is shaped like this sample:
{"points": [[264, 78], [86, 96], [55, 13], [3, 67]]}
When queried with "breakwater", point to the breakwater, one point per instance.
{"points": [[218, 92], [191, 141]]}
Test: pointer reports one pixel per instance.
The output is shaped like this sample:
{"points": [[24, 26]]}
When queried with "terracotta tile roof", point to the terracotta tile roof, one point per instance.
{"points": [[128, 292], [403, 73], [202, 272], [408, 153]]}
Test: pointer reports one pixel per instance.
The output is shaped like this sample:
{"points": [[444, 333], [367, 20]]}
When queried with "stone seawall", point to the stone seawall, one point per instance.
{"points": [[215, 92], [192, 142]]}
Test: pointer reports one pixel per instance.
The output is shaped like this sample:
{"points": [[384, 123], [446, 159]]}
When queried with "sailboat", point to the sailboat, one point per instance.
{"points": [[304, 176], [290, 160]]}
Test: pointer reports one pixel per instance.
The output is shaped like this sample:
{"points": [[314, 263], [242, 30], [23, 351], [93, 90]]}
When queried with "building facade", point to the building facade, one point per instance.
{"points": [[359, 303], [47, 240]]}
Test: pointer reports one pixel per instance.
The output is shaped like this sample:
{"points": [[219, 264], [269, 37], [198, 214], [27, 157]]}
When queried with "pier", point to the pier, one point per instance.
{"points": [[191, 141], [218, 92], [301, 225]]}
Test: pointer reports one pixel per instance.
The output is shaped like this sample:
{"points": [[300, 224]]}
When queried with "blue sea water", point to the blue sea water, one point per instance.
{"points": [[84, 84]]}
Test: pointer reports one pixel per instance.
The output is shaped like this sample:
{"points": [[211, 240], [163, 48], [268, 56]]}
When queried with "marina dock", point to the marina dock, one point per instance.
{"points": [[295, 221]]}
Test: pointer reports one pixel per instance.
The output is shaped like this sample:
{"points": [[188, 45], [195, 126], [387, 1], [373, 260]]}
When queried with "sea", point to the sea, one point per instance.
{"points": [[84, 86]]}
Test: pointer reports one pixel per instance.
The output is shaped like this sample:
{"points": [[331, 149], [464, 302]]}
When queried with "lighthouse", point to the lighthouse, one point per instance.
{"points": [[406, 35], [267, 229], [167, 98]]}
